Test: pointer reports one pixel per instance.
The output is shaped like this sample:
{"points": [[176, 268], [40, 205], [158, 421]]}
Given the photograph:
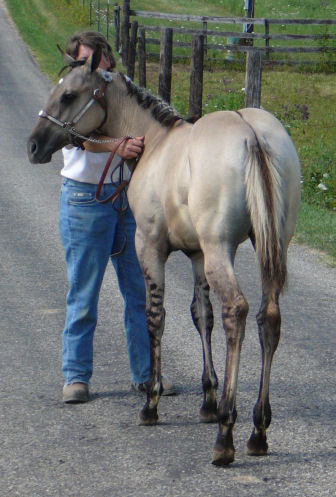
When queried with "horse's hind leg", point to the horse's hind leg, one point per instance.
{"points": [[220, 275], [202, 314], [269, 320]]}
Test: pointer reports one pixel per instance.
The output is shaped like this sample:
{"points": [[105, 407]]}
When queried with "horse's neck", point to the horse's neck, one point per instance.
{"points": [[126, 117]]}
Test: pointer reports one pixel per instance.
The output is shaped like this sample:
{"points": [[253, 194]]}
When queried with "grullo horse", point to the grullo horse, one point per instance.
{"points": [[202, 188]]}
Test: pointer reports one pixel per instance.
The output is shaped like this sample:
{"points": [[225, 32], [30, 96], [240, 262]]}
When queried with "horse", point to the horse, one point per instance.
{"points": [[203, 188]]}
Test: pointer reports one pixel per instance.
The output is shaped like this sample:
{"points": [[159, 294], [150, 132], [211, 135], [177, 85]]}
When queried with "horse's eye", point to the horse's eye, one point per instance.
{"points": [[67, 98]]}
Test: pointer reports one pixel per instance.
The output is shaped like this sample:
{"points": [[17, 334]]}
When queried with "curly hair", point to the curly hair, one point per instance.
{"points": [[92, 39]]}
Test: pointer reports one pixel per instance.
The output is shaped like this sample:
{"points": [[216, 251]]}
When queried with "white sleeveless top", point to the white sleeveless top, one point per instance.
{"points": [[87, 167]]}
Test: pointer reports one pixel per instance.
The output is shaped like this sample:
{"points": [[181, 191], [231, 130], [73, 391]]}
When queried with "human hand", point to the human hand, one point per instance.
{"points": [[130, 149]]}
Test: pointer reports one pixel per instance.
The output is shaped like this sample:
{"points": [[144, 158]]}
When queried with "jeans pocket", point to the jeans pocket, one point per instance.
{"points": [[81, 198]]}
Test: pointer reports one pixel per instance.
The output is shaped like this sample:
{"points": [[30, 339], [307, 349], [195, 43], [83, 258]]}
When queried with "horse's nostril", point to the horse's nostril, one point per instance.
{"points": [[32, 150], [32, 147]]}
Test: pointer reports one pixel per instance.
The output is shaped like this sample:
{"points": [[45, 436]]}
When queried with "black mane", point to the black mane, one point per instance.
{"points": [[161, 111]]}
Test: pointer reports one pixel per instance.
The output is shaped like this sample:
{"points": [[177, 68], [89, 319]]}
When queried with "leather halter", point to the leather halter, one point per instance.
{"points": [[97, 96]]}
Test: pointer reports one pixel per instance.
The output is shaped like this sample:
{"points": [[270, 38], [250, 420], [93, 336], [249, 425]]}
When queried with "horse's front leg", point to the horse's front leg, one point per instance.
{"points": [[202, 314], [152, 264]]}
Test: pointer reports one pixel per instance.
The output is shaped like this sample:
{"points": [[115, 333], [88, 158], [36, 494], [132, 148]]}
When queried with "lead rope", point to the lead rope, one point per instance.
{"points": [[119, 191], [122, 209]]}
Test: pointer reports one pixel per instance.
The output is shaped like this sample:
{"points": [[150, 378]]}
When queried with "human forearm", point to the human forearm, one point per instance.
{"points": [[127, 150]]}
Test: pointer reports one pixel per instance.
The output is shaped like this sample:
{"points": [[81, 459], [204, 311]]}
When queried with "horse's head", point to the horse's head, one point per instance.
{"points": [[75, 103]]}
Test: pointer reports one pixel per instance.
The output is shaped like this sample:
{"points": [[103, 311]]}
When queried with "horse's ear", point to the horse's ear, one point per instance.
{"points": [[94, 60], [66, 57]]}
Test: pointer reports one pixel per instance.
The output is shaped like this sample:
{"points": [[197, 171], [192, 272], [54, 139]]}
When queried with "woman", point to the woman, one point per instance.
{"points": [[90, 233]]}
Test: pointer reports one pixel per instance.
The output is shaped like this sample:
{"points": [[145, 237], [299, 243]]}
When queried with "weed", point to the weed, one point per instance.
{"points": [[230, 100], [319, 178]]}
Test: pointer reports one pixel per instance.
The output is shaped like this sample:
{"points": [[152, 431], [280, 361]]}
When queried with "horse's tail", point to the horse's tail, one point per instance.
{"points": [[266, 205]]}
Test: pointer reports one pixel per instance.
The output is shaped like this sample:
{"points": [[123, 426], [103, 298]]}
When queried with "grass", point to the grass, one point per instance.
{"points": [[316, 227], [44, 23], [263, 8], [305, 102]]}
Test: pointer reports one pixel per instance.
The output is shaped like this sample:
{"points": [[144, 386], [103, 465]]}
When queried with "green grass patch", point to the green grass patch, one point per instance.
{"points": [[316, 227], [44, 23]]}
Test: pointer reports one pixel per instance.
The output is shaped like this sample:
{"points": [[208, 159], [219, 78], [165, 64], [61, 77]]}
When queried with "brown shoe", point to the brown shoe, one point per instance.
{"points": [[76, 393]]}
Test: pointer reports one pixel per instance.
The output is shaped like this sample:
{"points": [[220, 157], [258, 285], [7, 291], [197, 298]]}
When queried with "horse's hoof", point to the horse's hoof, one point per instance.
{"points": [[148, 416], [208, 412], [208, 416], [223, 457], [257, 445], [224, 449]]}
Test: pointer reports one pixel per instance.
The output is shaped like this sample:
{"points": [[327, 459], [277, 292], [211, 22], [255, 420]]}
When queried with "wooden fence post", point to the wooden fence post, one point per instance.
{"points": [[253, 79], [267, 38], [196, 76], [166, 58], [125, 31], [132, 49], [90, 13], [205, 29], [98, 12], [142, 57], [107, 19], [116, 27]]}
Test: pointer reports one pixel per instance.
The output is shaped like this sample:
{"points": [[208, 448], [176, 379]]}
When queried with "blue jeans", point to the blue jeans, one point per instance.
{"points": [[90, 233]]}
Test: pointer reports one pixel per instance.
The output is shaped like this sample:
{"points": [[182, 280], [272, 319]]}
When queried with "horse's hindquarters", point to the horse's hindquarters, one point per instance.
{"points": [[217, 154]]}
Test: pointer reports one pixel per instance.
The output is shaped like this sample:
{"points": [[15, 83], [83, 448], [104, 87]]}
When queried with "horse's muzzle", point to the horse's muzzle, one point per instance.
{"points": [[36, 154]]}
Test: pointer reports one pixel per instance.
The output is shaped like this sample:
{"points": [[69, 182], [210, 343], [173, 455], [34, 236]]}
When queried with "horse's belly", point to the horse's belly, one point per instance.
{"points": [[181, 232]]}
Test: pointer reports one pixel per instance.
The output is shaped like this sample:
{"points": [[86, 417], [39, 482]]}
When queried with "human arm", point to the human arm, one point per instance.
{"points": [[129, 149]]}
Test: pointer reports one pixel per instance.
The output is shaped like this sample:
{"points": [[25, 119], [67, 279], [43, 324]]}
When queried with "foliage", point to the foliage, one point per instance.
{"points": [[319, 178], [44, 23]]}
